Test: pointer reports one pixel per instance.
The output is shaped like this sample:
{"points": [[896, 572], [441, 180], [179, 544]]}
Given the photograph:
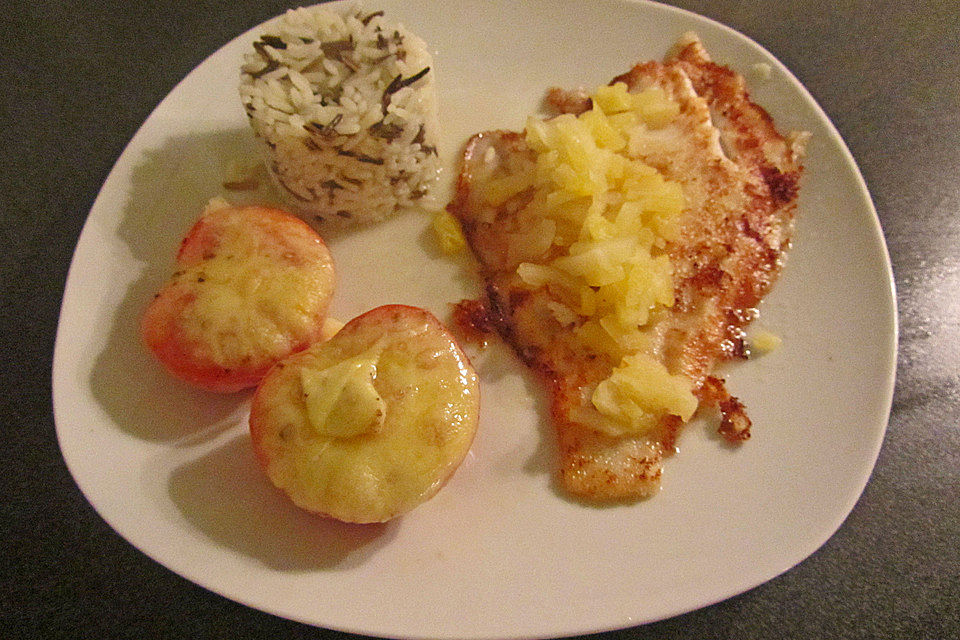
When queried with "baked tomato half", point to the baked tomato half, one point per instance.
{"points": [[252, 285], [373, 422]]}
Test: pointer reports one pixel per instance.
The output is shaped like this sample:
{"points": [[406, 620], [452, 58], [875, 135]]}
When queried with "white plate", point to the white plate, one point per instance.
{"points": [[499, 553]]}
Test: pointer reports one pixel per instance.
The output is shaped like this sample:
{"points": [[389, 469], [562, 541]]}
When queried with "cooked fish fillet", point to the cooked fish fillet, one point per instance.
{"points": [[740, 179]]}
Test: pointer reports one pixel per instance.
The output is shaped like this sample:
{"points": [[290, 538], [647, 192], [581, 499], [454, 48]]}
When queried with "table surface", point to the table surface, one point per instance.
{"points": [[886, 74]]}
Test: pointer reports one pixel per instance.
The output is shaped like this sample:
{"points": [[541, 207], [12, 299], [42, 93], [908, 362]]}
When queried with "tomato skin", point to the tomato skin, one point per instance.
{"points": [[284, 239], [185, 359]]}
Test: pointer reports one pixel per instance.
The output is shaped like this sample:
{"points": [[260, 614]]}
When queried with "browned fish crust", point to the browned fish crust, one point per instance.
{"points": [[740, 179]]}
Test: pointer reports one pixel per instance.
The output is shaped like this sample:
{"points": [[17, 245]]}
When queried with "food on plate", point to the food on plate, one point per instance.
{"points": [[764, 341], [625, 245], [447, 232], [367, 426], [346, 109], [330, 328], [252, 286]]}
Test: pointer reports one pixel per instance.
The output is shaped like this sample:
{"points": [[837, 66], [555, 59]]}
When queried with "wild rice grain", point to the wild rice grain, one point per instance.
{"points": [[320, 83]]}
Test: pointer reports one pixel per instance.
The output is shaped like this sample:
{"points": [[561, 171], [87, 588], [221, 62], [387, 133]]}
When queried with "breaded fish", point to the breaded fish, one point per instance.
{"points": [[740, 179]]}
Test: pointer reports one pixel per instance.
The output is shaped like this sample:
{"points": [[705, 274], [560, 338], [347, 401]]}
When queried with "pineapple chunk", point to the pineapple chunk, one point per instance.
{"points": [[764, 341], [538, 275], [602, 130], [624, 122], [598, 263], [656, 109], [496, 191], [613, 98], [447, 230], [639, 392], [596, 337]]}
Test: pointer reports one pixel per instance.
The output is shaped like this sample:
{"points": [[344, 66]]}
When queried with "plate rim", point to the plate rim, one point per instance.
{"points": [[59, 371]]}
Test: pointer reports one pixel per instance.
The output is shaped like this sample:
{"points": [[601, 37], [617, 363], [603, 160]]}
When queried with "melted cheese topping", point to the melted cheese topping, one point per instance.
{"points": [[371, 423], [341, 400], [252, 298]]}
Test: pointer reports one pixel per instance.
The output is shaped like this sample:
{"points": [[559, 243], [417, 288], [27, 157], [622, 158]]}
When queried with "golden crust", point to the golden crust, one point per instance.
{"points": [[740, 179]]}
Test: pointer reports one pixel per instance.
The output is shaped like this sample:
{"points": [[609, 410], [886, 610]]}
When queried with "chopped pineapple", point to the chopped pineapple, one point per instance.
{"points": [[639, 392], [613, 98], [656, 109], [499, 190], [614, 216], [447, 230], [764, 341], [603, 130]]}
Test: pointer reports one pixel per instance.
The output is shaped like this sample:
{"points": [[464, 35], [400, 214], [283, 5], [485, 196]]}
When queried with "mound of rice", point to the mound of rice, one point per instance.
{"points": [[346, 108]]}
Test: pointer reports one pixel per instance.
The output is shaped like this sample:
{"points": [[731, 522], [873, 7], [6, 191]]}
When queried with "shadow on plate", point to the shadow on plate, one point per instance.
{"points": [[169, 188], [226, 496]]}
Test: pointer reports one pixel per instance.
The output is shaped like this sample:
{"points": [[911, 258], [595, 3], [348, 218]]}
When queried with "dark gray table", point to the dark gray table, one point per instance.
{"points": [[79, 78]]}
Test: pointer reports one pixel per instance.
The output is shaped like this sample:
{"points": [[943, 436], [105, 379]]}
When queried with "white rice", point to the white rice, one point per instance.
{"points": [[346, 108]]}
